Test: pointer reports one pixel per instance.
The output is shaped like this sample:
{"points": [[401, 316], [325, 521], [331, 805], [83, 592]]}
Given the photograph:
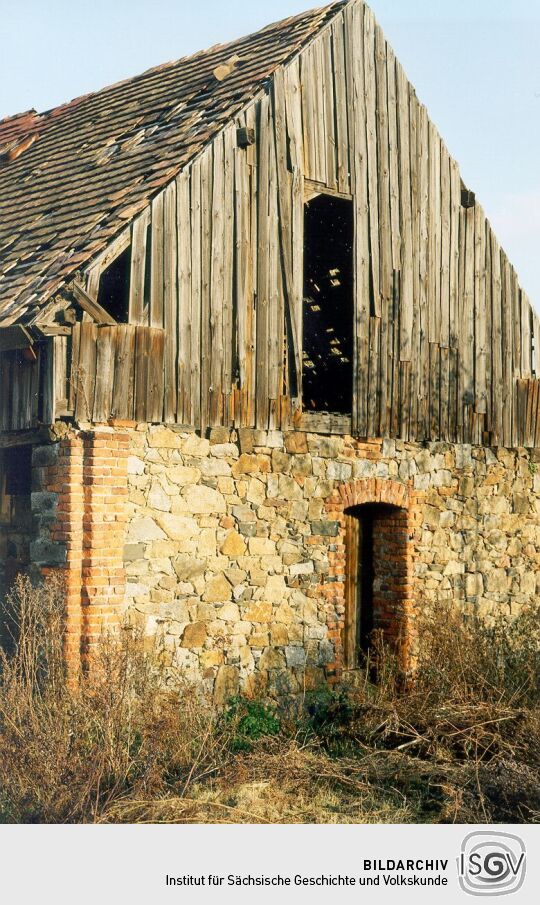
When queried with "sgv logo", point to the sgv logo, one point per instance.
{"points": [[491, 864]]}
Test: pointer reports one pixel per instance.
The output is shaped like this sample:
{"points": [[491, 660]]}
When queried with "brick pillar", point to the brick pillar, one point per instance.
{"points": [[82, 485], [105, 496], [60, 481]]}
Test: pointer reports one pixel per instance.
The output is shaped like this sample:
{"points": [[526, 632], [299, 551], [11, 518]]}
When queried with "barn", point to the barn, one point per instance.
{"points": [[268, 379]]}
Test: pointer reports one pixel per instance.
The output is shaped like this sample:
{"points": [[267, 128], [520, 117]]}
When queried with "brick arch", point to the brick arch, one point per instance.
{"points": [[394, 596], [369, 490]]}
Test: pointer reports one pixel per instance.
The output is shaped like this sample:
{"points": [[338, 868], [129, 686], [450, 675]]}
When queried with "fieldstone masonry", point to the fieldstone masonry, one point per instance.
{"points": [[231, 548]]}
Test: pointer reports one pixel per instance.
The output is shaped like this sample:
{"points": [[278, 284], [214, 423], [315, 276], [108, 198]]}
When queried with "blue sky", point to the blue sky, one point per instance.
{"points": [[476, 65]]}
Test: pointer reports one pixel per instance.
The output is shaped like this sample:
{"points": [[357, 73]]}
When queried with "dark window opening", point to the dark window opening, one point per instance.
{"points": [[328, 311], [376, 575], [113, 294]]}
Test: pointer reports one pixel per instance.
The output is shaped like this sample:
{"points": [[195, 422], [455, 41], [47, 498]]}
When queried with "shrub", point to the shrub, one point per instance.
{"points": [[251, 721]]}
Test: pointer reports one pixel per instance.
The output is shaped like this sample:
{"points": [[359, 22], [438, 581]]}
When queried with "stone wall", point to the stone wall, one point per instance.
{"points": [[232, 549], [235, 552]]}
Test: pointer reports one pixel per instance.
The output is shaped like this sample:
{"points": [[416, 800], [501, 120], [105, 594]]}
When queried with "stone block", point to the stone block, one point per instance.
{"points": [[296, 442], [44, 552], [226, 684], [188, 567], [194, 635], [218, 590], [133, 552], [176, 527], [233, 545], [325, 528], [202, 500], [259, 612], [144, 530], [164, 438], [295, 657]]}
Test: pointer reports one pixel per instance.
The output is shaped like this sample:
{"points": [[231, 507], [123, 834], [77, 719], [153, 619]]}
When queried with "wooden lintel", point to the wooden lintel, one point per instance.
{"points": [[312, 189], [14, 337], [91, 306], [54, 330], [9, 439]]}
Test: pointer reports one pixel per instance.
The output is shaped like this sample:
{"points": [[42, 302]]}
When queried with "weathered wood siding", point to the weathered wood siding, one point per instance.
{"points": [[442, 329]]}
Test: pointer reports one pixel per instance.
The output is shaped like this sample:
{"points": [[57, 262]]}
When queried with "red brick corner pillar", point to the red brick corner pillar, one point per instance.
{"points": [[393, 598], [85, 542], [104, 519]]}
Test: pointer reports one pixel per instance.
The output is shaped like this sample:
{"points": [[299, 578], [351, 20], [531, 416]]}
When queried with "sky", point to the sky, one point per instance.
{"points": [[474, 63]]}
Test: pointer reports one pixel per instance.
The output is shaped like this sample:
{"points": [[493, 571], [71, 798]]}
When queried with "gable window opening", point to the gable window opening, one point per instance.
{"points": [[328, 306], [113, 293], [376, 574]]}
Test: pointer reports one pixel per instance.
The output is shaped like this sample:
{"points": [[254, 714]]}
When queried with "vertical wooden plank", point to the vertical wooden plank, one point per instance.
{"points": [[184, 327], [263, 288], [155, 385], [455, 203], [526, 335], [354, 29], [434, 392], [480, 315], [170, 303], [496, 341], [393, 154], [329, 109], [308, 113], [122, 405], [407, 302], [294, 134], [74, 368], [229, 141], [318, 124], [467, 321], [423, 239], [195, 379], [206, 181], [60, 377], [142, 354], [536, 344], [275, 336], [383, 158], [86, 375], [283, 186], [139, 232], [374, 390], [216, 284], [445, 247], [253, 121], [243, 270], [414, 125], [507, 350], [105, 363], [370, 88], [434, 252], [156, 276], [340, 94]]}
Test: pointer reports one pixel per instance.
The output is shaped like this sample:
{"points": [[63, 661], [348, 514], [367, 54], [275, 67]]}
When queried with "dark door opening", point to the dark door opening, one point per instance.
{"points": [[376, 576], [328, 311]]}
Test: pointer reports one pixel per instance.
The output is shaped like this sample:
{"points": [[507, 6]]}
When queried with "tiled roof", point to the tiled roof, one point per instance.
{"points": [[73, 177]]}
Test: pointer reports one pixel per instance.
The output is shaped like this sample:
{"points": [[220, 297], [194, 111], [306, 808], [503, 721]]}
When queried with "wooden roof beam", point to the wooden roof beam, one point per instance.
{"points": [[90, 305]]}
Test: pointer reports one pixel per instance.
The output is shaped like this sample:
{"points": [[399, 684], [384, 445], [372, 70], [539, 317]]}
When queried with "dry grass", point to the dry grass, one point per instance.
{"points": [[460, 743]]}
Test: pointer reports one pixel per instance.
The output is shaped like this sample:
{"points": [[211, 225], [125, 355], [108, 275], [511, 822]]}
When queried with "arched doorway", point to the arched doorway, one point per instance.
{"points": [[376, 579]]}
